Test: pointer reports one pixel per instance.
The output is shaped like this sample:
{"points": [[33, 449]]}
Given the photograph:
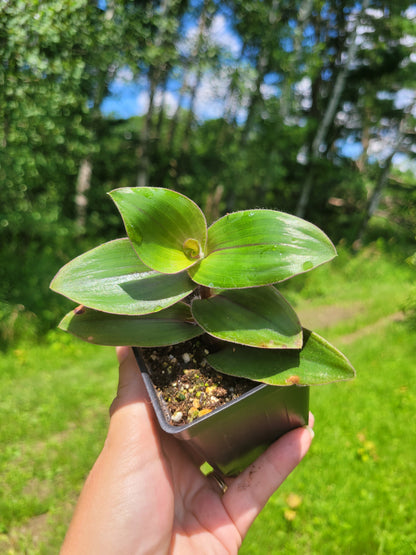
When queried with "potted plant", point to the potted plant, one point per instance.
{"points": [[199, 305]]}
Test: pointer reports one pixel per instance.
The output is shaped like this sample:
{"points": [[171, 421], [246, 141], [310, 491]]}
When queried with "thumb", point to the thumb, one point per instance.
{"points": [[131, 413], [131, 388]]}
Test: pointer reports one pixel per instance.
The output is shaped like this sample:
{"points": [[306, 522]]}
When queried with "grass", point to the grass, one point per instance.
{"points": [[356, 483], [354, 493], [53, 418]]}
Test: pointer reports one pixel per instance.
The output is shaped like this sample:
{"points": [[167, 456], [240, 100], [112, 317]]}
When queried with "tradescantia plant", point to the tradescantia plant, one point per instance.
{"points": [[173, 278]]}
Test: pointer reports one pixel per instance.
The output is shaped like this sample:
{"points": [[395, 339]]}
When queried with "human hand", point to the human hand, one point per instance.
{"points": [[146, 494]]}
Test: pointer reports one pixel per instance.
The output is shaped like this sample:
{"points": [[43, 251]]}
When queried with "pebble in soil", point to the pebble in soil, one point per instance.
{"points": [[188, 385]]}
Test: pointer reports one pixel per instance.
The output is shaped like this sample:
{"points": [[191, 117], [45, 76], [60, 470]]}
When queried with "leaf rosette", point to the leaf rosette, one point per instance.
{"points": [[174, 278]]}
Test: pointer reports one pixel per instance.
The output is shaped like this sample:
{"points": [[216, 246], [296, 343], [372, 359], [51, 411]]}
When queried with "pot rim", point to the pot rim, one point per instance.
{"points": [[161, 411]]}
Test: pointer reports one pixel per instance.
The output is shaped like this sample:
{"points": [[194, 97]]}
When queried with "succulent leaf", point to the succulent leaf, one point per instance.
{"points": [[260, 247], [258, 316], [167, 327], [318, 362], [112, 278], [167, 229]]}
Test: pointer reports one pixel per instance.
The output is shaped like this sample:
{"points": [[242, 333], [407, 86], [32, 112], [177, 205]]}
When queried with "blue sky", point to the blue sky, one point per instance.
{"points": [[130, 97]]}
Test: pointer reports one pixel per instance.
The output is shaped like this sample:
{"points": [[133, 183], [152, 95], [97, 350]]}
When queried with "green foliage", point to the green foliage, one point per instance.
{"points": [[351, 493], [112, 278], [60, 61], [317, 362], [409, 306], [51, 436], [165, 327], [41, 78], [16, 324], [130, 299], [259, 315], [353, 486]]}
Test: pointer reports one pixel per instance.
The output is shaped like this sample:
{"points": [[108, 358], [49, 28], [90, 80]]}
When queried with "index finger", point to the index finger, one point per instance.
{"points": [[250, 491]]}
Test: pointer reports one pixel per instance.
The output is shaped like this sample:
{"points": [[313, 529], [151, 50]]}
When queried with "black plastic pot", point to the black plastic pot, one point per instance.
{"points": [[232, 436]]}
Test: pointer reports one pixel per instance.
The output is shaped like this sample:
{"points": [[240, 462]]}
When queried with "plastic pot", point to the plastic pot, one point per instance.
{"points": [[232, 436]]}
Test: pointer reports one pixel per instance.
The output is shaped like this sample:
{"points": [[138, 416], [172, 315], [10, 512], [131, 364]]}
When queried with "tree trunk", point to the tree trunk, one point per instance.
{"points": [[262, 69], [304, 13], [83, 185], [190, 115], [374, 201], [365, 141], [329, 115], [376, 195], [173, 127], [143, 152], [161, 111], [204, 24]]}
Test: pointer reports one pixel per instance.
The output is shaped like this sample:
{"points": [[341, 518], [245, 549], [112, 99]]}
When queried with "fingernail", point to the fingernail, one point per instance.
{"points": [[310, 430], [122, 354]]}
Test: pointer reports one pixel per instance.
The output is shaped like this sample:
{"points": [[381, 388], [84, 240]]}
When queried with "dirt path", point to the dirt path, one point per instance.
{"points": [[327, 316], [371, 328], [315, 317]]}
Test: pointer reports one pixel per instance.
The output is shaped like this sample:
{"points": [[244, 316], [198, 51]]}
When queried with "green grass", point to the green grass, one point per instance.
{"points": [[355, 489], [357, 482], [369, 284], [53, 418]]}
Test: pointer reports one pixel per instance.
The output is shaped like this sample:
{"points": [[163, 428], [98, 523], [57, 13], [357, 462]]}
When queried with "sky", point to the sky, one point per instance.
{"points": [[130, 98]]}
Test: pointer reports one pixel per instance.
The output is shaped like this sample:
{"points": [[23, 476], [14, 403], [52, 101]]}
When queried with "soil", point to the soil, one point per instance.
{"points": [[187, 384], [189, 387]]}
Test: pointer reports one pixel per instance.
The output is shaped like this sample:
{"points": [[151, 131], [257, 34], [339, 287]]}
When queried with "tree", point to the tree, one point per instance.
{"points": [[318, 143]]}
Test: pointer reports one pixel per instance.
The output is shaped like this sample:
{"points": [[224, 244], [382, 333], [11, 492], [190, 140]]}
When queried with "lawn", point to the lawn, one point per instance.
{"points": [[353, 493]]}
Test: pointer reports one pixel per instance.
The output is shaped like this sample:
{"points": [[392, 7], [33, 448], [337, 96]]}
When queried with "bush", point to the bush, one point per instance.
{"points": [[16, 324]]}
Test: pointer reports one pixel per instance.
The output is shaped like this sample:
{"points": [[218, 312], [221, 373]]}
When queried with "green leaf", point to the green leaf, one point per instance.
{"points": [[167, 327], [260, 247], [167, 230], [318, 362], [112, 278], [258, 316]]}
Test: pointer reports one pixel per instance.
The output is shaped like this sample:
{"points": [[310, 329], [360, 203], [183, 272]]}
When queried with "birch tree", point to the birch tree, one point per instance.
{"points": [[330, 111]]}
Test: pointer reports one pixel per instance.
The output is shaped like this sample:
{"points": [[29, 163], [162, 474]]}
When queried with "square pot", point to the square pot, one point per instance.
{"points": [[232, 436]]}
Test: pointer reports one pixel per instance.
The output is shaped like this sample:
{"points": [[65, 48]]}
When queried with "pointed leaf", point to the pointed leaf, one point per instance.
{"points": [[258, 316], [260, 247], [317, 362], [167, 327], [167, 230], [112, 278]]}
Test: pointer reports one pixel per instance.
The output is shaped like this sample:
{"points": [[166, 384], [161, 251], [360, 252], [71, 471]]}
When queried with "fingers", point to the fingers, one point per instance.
{"points": [[130, 384], [249, 492], [311, 422], [132, 417]]}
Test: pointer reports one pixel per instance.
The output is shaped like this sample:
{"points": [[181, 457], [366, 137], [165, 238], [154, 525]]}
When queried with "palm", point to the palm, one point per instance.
{"points": [[146, 494], [198, 515]]}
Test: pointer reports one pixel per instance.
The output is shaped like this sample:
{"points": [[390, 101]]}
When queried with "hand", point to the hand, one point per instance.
{"points": [[145, 494]]}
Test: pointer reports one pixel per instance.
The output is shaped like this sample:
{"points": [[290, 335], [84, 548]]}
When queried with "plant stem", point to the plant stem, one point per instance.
{"points": [[205, 292]]}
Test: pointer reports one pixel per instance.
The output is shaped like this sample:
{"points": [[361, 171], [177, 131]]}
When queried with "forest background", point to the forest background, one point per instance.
{"points": [[307, 107]]}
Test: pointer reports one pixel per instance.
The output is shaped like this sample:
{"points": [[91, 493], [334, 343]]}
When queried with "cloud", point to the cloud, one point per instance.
{"points": [[374, 13], [304, 89], [405, 98], [124, 75], [167, 98], [221, 35], [408, 40], [410, 13], [268, 91]]}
